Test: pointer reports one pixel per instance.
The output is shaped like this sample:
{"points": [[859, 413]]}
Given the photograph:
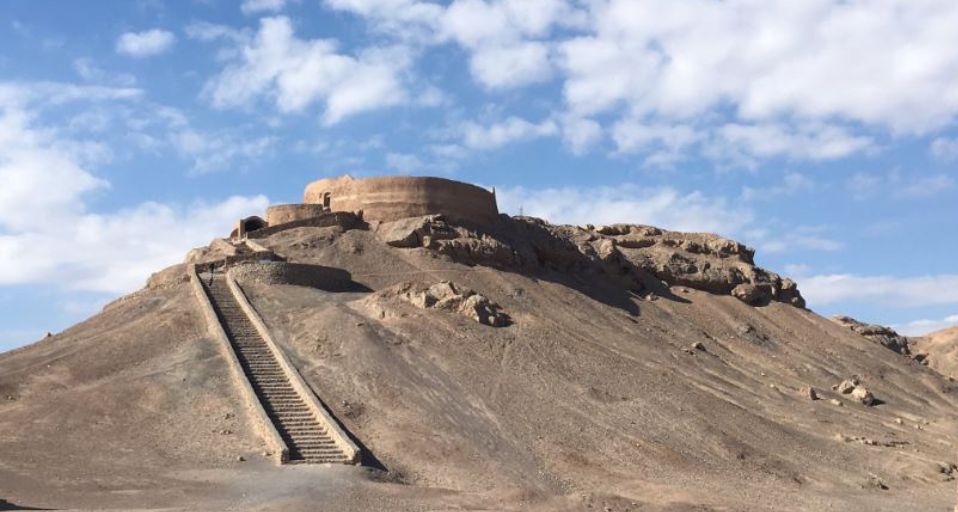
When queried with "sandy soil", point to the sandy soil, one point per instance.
{"points": [[592, 399]]}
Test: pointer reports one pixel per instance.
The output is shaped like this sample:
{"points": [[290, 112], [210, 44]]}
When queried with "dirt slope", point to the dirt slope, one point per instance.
{"points": [[608, 389], [940, 349]]}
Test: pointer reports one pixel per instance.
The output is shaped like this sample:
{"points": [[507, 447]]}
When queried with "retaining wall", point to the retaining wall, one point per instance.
{"points": [[298, 274]]}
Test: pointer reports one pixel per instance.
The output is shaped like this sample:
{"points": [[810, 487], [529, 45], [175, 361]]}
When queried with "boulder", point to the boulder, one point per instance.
{"points": [[753, 294], [863, 395], [809, 393], [846, 386]]}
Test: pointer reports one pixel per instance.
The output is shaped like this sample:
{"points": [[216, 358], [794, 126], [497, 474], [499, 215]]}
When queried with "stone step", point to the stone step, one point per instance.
{"points": [[294, 419], [317, 452], [314, 439]]}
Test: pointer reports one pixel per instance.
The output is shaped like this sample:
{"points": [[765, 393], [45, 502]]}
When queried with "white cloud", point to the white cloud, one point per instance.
{"points": [[512, 65], [48, 233], [116, 252], [865, 186], [581, 134], [296, 73], [403, 162], [508, 41], [496, 135], [664, 145], [146, 43], [406, 19], [736, 81], [257, 6], [792, 183], [919, 291], [743, 143], [89, 71], [217, 151], [771, 238], [926, 326], [628, 203], [944, 148], [887, 63], [205, 31]]}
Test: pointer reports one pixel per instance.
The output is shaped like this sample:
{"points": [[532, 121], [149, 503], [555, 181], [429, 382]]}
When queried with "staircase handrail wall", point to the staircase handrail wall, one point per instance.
{"points": [[338, 435], [261, 421]]}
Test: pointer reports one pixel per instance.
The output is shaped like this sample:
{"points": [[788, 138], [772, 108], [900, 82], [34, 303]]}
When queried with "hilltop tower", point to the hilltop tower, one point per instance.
{"points": [[395, 197]]}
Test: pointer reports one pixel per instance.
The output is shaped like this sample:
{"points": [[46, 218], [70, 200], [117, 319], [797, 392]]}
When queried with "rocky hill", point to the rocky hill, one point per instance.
{"points": [[522, 366]]}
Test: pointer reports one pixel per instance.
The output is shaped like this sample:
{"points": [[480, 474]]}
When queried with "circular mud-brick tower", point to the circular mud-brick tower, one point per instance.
{"points": [[396, 197]]}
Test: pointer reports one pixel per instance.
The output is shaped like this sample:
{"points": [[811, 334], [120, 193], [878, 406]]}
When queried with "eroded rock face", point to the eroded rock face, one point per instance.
{"points": [[642, 257], [448, 296], [697, 260], [885, 336]]}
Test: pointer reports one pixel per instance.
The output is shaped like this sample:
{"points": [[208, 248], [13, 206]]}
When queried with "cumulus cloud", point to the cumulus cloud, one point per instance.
{"points": [[887, 64], [508, 41], [146, 43], [737, 81], [48, 234], [296, 73], [629, 203]]}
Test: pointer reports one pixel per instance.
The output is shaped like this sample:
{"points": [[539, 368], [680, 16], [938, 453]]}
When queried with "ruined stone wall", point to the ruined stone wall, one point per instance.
{"points": [[397, 197], [286, 213], [344, 220]]}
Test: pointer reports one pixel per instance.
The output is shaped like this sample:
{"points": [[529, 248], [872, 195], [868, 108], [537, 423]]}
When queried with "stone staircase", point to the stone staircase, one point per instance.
{"points": [[307, 438]]}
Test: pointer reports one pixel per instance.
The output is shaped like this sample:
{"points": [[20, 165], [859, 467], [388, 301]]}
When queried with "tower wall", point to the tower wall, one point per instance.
{"points": [[397, 197]]}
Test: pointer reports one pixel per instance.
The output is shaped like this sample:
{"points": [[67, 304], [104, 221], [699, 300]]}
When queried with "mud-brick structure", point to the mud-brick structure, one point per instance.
{"points": [[346, 200], [285, 213], [396, 197]]}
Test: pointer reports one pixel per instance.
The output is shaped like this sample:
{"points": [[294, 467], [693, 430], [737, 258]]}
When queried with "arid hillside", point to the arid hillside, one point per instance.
{"points": [[521, 366], [940, 349]]}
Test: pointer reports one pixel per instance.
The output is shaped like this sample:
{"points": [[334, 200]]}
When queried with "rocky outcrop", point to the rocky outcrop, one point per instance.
{"points": [[222, 252], [642, 257], [697, 260], [884, 336], [447, 296]]}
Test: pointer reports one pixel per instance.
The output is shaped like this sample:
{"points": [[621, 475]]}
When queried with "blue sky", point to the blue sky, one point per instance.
{"points": [[821, 132]]}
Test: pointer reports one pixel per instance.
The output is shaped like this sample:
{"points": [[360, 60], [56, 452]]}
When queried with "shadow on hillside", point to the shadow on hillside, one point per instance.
{"points": [[6, 505]]}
